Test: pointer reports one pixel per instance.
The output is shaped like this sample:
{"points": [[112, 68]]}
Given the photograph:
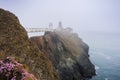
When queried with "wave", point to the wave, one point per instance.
{"points": [[97, 67], [106, 79], [103, 55]]}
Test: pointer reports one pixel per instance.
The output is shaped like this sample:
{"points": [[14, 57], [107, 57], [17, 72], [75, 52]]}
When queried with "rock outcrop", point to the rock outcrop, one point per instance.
{"points": [[68, 53], [14, 42]]}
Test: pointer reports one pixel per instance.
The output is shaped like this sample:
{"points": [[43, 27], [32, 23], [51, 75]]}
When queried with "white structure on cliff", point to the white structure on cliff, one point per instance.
{"points": [[30, 30]]}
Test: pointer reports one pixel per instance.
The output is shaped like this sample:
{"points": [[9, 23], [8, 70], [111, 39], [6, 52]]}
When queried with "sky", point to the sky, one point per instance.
{"points": [[81, 15]]}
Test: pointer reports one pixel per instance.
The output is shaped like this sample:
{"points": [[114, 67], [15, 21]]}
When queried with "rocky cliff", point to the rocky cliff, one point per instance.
{"points": [[14, 42], [58, 55], [67, 52]]}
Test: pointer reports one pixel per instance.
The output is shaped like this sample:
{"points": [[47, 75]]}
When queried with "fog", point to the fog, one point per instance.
{"points": [[95, 21], [82, 15]]}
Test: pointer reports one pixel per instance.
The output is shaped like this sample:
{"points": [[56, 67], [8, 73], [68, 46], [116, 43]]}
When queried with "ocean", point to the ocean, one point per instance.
{"points": [[104, 53]]}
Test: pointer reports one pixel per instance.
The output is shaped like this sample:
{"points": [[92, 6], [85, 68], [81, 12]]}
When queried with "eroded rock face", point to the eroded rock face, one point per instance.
{"points": [[68, 53], [14, 42]]}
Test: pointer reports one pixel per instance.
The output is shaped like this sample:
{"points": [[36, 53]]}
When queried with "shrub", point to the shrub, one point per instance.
{"points": [[10, 69]]}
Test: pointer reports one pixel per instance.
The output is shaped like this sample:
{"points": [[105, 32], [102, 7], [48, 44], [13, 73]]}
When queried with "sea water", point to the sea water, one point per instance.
{"points": [[104, 53]]}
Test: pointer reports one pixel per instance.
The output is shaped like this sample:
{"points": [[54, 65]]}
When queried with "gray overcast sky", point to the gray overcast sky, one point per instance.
{"points": [[83, 15]]}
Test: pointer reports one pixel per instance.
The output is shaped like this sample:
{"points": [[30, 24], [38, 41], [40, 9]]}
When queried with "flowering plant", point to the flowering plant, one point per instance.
{"points": [[12, 70]]}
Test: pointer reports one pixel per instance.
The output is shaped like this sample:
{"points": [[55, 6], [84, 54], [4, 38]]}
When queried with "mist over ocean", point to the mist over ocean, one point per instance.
{"points": [[104, 53]]}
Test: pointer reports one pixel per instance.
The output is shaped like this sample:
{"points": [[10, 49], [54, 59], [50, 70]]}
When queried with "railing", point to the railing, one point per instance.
{"points": [[30, 30]]}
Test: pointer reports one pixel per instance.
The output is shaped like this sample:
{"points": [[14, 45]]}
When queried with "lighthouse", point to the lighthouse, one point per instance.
{"points": [[60, 26]]}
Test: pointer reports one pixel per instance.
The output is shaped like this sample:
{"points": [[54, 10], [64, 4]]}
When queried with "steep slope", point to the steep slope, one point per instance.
{"points": [[14, 42], [68, 53]]}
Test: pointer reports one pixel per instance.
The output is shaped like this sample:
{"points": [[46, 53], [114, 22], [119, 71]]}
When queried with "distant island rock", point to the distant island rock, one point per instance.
{"points": [[58, 55]]}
